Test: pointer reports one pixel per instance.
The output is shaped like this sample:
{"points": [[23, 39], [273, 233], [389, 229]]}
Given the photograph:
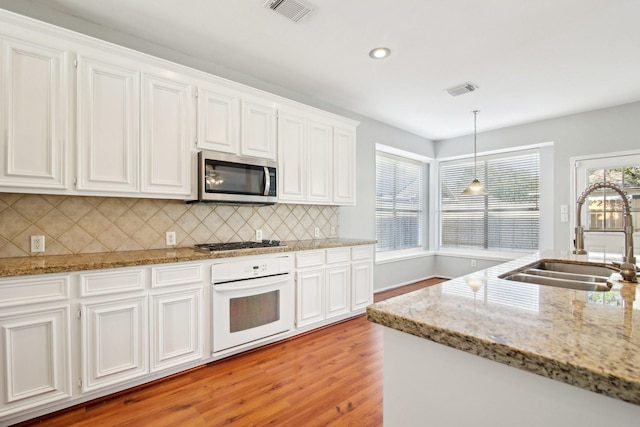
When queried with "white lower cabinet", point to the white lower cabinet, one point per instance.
{"points": [[338, 285], [129, 331], [310, 291], [175, 328], [361, 276], [34, 358], [333, 283], [176, 315], [113, 327], [35, 345], [114, 336]]}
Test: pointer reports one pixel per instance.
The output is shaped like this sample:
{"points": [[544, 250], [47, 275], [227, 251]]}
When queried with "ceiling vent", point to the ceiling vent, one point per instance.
{"points": [[291, 9], [462, 89]]}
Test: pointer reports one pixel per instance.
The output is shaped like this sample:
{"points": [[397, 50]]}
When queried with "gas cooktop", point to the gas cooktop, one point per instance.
{"points": [[232, 246]]}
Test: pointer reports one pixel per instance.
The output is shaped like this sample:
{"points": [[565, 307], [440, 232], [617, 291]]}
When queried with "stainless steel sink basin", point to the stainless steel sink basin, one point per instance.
{"points": [[565, 274]]}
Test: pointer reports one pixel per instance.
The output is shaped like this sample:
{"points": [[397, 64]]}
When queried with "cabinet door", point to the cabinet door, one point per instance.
{"points": [[320, 161], [176, 328], [361, 284], [34, 115], [108, 126], [310, 296], [344, 169], [35, 358], [166, 130], [291, 158], [114, 342], [338, 290], [218, 121], [258, 130]]}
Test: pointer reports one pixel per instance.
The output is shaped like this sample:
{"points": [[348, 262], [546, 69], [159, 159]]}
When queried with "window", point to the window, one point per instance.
{"points": [[506, 219], [399, 202], [604, 206], [602, 210]]}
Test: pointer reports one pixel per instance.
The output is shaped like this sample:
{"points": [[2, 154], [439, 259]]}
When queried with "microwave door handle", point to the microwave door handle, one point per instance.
{"points": [[267, 181]]}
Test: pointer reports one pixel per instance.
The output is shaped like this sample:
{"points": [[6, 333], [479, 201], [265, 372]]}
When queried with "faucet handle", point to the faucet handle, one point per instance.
{"points": [[628, 272]]}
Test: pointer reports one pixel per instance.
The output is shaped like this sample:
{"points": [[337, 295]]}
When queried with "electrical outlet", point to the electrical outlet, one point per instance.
{"points": [[170, 237], [316, 232], [473, 263], [334, 229], [37, 243], [258, 235]]}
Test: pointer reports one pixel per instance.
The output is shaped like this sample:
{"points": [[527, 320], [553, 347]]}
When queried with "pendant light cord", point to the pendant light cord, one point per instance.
{"points": [[475, 151]]}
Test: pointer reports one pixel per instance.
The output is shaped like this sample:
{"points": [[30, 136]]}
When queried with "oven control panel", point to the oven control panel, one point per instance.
{"points": [[225, 271]]}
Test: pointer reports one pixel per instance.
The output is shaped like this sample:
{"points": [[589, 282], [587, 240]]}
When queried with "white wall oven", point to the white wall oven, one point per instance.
{"points": [[251, 299]]}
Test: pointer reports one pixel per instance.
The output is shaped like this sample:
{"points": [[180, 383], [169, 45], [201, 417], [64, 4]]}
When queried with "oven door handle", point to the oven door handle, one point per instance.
{"points": [[228, 288]]}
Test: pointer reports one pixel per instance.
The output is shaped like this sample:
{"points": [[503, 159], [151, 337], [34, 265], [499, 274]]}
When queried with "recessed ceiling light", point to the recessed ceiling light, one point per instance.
{"points": [[379, 53]]}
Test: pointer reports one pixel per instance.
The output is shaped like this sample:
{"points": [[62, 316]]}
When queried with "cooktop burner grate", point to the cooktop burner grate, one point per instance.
{"points": [[232, 246]]}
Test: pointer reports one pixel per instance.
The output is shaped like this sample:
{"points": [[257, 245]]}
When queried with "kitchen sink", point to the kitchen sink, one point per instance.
{"points": [[565, 274]]}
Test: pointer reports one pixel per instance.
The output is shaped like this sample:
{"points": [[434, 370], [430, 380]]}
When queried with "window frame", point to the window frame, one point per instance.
{"points": [[426, 206], [489, 253]]}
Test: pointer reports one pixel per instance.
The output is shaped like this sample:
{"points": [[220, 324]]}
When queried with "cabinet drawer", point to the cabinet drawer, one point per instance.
{"points": [[362, 252], [181, 274], [19, 291], [309, 259], [111, 282], [335, 255]]}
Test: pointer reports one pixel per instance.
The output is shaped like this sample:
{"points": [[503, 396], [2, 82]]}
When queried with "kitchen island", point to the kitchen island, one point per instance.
{"points": [[483, 351]]}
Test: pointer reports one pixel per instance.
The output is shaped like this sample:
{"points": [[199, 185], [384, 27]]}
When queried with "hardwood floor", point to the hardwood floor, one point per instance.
{"points": [[328, 377]]}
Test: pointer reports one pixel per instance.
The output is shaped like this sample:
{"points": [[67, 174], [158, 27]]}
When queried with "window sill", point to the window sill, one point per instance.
{"points": [[480, 254], [393, 256]]}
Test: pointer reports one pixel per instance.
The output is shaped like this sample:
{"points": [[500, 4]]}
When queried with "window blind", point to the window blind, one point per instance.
{"points": [[506, 219], [399, 202]]}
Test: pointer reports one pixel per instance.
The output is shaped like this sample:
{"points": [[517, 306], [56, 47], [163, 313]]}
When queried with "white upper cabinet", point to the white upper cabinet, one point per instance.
{"points": [[108, 124], [135, 125], [34, 113], [166, 135], [291, 157], [136, 118], [258, 129], [231, 121], [344, 166], [218, 119], [319, 161], [316, 158]]}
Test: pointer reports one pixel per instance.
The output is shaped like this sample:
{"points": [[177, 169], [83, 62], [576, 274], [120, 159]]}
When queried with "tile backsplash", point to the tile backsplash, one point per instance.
{"points": [[75, 224]]}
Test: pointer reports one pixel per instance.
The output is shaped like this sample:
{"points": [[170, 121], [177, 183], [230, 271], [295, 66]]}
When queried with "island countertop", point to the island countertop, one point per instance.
{"points": [[21, 266], [587, 339]]}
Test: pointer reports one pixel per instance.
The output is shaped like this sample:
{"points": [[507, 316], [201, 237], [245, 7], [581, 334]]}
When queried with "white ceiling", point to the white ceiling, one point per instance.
{"points": [[531, 59]]}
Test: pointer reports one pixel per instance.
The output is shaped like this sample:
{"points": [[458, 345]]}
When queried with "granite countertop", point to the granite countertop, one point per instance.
{"points": [[21, 266], [586, 339]]}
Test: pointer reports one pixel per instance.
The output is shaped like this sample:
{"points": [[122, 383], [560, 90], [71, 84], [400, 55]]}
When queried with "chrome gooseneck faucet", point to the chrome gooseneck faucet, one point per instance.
{"points": [[628, 266]]}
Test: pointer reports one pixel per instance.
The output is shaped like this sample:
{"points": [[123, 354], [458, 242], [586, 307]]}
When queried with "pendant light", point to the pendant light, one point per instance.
{"points": [[475, 188]]}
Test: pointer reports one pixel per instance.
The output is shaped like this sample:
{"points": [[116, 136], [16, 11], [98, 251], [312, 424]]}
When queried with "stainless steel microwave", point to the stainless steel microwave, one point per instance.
{"points": [[226, 178]]}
